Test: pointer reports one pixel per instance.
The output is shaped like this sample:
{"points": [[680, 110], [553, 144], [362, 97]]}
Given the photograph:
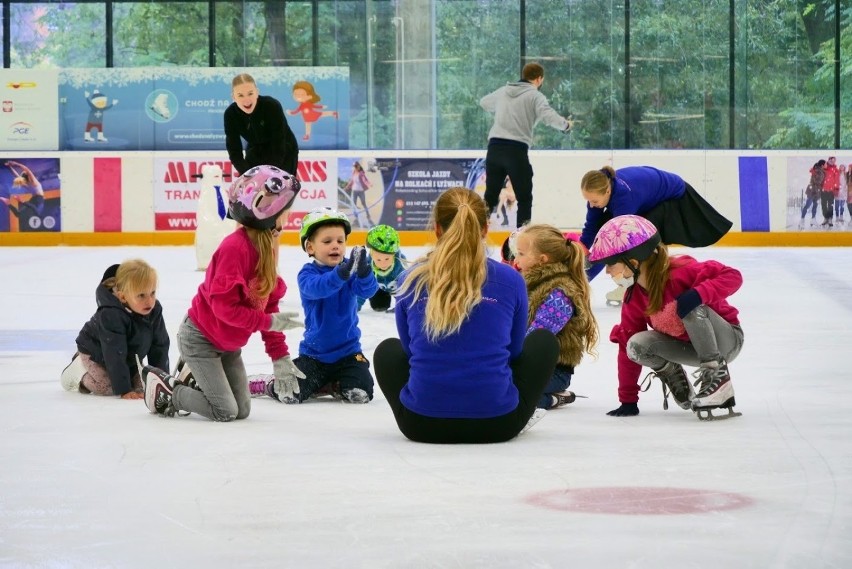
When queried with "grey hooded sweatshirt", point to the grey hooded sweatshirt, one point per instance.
{"points": [[517, 108]]}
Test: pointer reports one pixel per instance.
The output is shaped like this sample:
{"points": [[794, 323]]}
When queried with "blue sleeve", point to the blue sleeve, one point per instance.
{"points": [[314, 285], [554, 313], [594, 220], [594, 270]]}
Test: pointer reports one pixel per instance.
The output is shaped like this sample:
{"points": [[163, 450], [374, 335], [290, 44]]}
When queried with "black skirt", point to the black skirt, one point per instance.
{"points": [[689, 220]]}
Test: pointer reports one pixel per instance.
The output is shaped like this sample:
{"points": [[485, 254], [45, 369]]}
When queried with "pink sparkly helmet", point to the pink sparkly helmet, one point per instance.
{"points": [[258, 196], [624, 237]]}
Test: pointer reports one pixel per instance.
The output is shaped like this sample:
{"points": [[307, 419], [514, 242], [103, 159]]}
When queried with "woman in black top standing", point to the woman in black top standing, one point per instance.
{"points": [[260, 121]]}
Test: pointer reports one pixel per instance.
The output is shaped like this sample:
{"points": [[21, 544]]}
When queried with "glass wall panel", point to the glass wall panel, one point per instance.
{"points": [[633, 73], [478, 51], [53, 35], [161, 33], [678, 73], [580, 45]]}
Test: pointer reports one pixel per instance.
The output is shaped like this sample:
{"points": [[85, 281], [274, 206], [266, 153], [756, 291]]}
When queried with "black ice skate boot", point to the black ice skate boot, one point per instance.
{"points": [[715, 391], [159, 386], [674, 381]]}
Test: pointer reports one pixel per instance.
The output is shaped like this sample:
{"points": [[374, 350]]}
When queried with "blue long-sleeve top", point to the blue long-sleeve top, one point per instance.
{"points": [[331, 311], [466, 374], [635, 190]]}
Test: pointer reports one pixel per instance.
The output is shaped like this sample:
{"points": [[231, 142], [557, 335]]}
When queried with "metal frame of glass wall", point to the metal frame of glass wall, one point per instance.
{"points": [[696, 74]]}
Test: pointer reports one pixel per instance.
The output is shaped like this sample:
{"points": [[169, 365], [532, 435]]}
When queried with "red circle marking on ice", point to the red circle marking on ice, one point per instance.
{"points": [[638, 500]]}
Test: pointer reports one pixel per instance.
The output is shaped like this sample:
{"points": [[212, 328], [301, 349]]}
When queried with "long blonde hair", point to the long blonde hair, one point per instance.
{"points": [[454, 271], [266, 271], [548, 240]]}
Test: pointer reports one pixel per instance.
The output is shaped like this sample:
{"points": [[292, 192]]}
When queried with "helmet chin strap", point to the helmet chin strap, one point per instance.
{"points": [[626, 261]]}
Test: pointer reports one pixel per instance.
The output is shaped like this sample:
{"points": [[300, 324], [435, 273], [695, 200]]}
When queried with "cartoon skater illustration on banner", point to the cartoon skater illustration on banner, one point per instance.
{"points": [[98, 105], [309, 107]]}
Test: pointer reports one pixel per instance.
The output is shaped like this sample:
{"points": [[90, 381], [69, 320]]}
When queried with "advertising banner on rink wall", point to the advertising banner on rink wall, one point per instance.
{"points": [[29, 119], [29, 194], [819, 192], [400, 192], [178, 186], [180, 109]]}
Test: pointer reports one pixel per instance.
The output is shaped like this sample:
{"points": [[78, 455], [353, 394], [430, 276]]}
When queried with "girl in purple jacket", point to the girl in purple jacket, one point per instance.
{"points": [[553, 267], [684, 303]]}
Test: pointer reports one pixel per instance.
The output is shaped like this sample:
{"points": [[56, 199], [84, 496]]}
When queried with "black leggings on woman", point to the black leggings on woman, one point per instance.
{"points": [[530, 372]]}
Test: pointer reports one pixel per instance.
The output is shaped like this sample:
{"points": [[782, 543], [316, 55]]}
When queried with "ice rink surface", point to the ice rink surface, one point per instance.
{"points": [[91, 482]]}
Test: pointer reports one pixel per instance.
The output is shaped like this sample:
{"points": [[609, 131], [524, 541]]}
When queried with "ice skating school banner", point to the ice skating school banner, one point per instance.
{"points": [[175, 109]]}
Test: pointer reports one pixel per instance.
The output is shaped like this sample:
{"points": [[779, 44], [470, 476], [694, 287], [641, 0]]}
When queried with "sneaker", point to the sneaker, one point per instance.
{"points": [[537, 416], [675, 382], [355, 395], [716, 389], [158, 391], [73, 374]]}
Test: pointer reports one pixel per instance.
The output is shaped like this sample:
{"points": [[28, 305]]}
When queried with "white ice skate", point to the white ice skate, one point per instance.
{"points": [[615, 297], [73, 374], [537, 416], [715, 392]]}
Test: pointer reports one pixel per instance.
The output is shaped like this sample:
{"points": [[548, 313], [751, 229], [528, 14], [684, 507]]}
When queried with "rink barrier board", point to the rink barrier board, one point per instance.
{"points": [[407, 238]]}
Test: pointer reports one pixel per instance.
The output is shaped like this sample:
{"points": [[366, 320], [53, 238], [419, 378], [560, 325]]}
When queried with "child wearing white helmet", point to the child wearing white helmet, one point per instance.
{"points": [[387, 262], [330, 353], [239, 296], [684, 302]]}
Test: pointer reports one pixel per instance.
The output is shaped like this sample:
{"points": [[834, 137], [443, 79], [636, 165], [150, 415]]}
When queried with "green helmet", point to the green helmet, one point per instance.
{"points": [[383, 238], [316, 218]]}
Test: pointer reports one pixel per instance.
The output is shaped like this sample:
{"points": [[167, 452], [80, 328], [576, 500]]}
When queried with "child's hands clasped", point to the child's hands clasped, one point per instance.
{"points": [[362, 267], [356, 263]]}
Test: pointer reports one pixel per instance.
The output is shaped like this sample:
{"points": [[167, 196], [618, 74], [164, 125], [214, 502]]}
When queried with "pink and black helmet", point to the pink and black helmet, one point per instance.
{"points": [[258, 196], [624, 237]]}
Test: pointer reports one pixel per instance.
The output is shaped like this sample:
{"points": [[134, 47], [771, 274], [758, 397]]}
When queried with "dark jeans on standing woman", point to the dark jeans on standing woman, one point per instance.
{"points": [[530, 373]]}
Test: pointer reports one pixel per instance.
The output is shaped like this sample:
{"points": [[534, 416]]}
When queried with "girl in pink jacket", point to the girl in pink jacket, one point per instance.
{"points": [[675, 313]]}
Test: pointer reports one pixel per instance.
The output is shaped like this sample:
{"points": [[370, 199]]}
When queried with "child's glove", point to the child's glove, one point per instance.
{"points": [[346, 266], [626, 410], [286, 383], [362, 266], [687, 302], [285, 321]]}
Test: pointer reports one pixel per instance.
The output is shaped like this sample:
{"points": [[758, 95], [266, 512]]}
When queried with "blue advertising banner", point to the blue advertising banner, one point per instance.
{"points": [[182, 108]]}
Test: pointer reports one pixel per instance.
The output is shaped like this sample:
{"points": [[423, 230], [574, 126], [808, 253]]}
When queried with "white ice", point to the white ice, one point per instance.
{"points": [[94, 482]]}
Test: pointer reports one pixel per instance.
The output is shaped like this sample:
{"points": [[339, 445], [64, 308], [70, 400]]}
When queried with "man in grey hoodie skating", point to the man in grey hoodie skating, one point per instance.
{"points": [[517, 107]]}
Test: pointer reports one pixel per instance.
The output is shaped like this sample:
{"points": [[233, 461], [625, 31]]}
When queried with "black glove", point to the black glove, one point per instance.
{"points": [[344, 269], [363, 267], [626, 410], [687, 302]]}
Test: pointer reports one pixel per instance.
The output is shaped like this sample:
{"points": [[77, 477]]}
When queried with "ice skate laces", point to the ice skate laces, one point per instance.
{"points": [[710, 376], [673, 381]]}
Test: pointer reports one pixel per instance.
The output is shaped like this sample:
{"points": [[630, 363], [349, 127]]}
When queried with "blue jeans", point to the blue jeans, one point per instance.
{"points": [[559, 381]]}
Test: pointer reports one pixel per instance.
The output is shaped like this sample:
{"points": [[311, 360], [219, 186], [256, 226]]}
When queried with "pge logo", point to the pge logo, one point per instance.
{"points": [[21, 128]]}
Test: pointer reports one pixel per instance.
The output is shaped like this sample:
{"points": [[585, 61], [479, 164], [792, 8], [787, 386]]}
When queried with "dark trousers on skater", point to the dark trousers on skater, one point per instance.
{"points": [[827, 202], [509, 158], [530, 373]]}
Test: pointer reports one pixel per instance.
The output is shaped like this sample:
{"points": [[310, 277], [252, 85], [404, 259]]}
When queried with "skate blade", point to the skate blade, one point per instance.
{"points": [[613, 303], [706, 414]]}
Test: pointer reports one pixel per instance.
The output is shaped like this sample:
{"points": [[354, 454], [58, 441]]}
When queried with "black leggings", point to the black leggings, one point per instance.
{"points": [[530, 372]]}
